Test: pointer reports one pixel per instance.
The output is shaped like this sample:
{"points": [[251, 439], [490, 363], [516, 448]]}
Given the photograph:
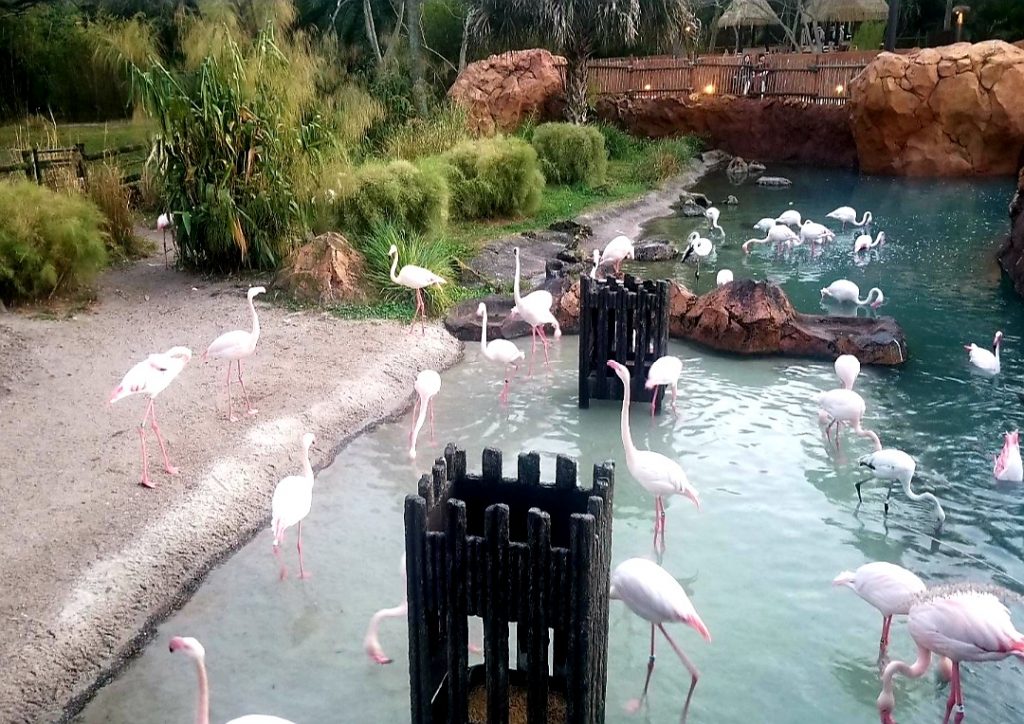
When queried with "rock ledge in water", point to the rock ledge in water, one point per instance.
{"points": [[779, 182]]}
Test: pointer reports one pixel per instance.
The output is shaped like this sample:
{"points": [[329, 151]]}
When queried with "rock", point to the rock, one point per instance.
{"points": [[774, 181], [496, 262], [572, 255], [655, 250], [577, 231], [948, 111], [1011, 255], [691, 209], [755, 167], [737, 167], [715, 158], [694, 197], [327, 269], [732, 201], [501, 91]]}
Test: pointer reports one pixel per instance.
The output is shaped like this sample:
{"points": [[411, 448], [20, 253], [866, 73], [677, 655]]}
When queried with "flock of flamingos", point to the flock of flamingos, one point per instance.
{"points": [[956, 623]]}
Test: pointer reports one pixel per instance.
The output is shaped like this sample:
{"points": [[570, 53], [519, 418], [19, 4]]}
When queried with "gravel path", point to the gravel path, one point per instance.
{"points": [[91, 559]]}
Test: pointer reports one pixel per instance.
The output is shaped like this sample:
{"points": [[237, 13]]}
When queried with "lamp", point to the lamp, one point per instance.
{"points": [[959, 12]]}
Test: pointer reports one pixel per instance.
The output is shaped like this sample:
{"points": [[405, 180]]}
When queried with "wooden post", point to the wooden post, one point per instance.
{"points": [[586, 333], [539, 533], [496, 616], [458, 631], [580, 678], [419, 647]]}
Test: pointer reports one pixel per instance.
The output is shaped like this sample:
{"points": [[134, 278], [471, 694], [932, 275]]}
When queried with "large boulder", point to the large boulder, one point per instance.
{"points": [[949, 111], [502, 91], [1011, 255], [327, 269]]}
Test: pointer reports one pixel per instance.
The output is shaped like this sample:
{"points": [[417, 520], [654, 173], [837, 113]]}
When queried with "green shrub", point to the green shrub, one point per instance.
{"points": [[493, 178], [414, 197], [869, 36], [571, 154], [49, 241], [661, 160], [417, 137], [619, 144], [113, 200]]}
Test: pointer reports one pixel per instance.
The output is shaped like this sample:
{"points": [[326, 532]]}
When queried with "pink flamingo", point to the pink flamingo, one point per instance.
{"points": [[1008, 465], [163, 223], [664, 371], [498, 350], [415, 278], [656, 473], [649, 591], [428, 384], [535, 309], [293, 497], [847, 370], [195, 651], [618, 250], [151, 377], [887, 587], [962, 623], [839, 406], [236, 346]]}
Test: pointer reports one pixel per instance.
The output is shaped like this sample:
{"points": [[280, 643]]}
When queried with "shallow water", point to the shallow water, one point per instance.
{"points": [[780, 518]]}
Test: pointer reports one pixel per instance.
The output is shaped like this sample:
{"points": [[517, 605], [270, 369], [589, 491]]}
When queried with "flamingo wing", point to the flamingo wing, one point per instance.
{"points": [[416, 277], [649, 591], [887, 587], [965, 626], [665, 370], [501, 350], [231, 345], [293, 497]]}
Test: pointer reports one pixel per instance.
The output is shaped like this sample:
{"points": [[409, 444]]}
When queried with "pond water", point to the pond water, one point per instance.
{"points": [[780, 516]]}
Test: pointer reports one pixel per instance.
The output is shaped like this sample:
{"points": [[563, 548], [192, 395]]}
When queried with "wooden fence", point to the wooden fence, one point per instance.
{"points": [[38, 164]]}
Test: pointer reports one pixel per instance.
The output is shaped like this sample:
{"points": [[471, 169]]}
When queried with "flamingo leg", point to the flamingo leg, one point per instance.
{"points": [[248, 405], [544, 341], [634, 705], [887, 497], [144, 481], [171, 470], [277, 554], [430, 409], [298, 545], [423, 311], [694, 673], [165, 249], [415, 412], [231, 416], [654, 397], [959, 716], [951, 701], [883, 643], [661, 523], [533, 350]]}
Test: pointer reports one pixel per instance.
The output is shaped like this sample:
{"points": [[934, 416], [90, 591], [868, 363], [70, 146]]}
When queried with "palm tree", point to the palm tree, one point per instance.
{"points": [[579, 28]]}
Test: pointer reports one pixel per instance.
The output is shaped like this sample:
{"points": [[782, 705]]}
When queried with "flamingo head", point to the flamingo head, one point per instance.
{"points": [[825, 292], [515, 252], [308, 440], [253, 291], [690, 493], [620, 370], [393, 251], [189, 646], [846, 578], [970, 347], [183, 353], [886, 702], [879, 298], [880, 239], [997, 340], [481, 309], [513, 313], [372, 647]]}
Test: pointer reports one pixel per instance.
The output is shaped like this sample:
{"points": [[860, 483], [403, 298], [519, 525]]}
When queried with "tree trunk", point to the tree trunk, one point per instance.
{"points": [[465, 43], [947, 21], [419, 92], [371, 31], [576, 77], [396, 35]]}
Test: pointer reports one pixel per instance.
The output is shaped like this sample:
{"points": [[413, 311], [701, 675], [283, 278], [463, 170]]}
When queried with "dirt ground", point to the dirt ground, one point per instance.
{"points": [[90, 559]]}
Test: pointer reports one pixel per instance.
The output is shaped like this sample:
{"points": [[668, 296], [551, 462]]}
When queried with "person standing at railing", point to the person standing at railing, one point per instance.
{"points": [[760, 77], [746, 74]]}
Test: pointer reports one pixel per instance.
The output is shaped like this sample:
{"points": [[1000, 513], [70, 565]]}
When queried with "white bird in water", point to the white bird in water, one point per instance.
{"points": [[892, 465], [887, 587], [535, 309], [984, 360], [416, 278], [815, 233], [427, 385], [1008, 465], [778, 234], [498, 350], [847, 370], [664, 371], [236, 346], [846, 292], [724, 277], [293, 498], [789, 217], [649, 591], [712, 214], [864, 242], [618, 249], [764, 224], [699, 246], [848, 215], [840, 406]]}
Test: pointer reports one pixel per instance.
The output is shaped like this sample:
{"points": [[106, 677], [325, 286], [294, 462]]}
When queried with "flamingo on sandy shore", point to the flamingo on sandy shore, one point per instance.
{"points": [[778, 235], [789, 217], [1008, 465], [664, 371], [961, 622], [983, 360], [415, 278], [163, 223], [887, 587], [498, 350], [428, 384], [894, 465], [847, 370], [864, 242], [195, 651], [658, 475], [150, 377], [848, 215], [712, 214], [236, 346], [846, 292], [649, 591], [535, 309], [840, 406], [293, 497], [618, 250]]}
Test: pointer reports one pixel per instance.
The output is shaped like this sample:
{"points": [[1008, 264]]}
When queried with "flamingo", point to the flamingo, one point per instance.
{"points": [[664, 371], [236, 346], [1008, 464], [649, 591], [848, 215], [658, 475], [292, 500], [371, 644], [790, 217], [844, 406], [415, 278], [814, 232], [764, 224], [887, 587], [712, 214], [982, 359], [428, 384], [961, 622], [864, 242], [895, 465], [847, 369], [195, 651], [777, 234], [535, 309], [617, 250], [697, 244], [724, 277], [597, 263], [150, 377], [163, 222], [845, 291], [498, 350]]}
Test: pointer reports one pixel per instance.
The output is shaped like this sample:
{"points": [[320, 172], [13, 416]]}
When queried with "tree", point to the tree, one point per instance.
{"points": [[579, 28]]}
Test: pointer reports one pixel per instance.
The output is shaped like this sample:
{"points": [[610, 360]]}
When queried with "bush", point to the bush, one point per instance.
{"points": [[571, 154], [49, 241], [661, 160], [416, 138], [493, 178], [619, 144], [112, 199], [415, 198]]}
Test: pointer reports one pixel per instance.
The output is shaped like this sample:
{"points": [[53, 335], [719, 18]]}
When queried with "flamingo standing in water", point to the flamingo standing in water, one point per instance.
{"points": [[428, 384], [293, 497], [887, 587], [498, 350], [535, 309], [814, 232], [864, 242], [664, 371], [618, 250], [961, 622], [699, 246], [845, 291], [789, 217], [236, 346], [848, 215], [895, 465], [415, 278], [778, 234], [649, 591], [163, 223], [150, 377], [847, 370], [982, 359], [839, 406], [1008, 465], [712, 214], [724, 277], [764, 224], [657, 474], [195, 651]]}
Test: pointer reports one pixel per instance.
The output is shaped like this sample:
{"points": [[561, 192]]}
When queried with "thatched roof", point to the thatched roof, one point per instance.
{"points": [[846, 11], [748, 12]]}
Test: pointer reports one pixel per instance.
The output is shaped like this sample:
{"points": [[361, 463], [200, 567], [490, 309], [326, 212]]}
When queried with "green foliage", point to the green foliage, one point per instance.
{"points": [[869, 36], [571, 154], [414, 198], [419, 137], [112, 199], [619, 144], [663, 159], [49, 241], [493, 178]]}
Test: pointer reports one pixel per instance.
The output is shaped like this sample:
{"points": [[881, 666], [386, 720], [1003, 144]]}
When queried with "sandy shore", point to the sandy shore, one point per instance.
{"points": [[91, 559]]}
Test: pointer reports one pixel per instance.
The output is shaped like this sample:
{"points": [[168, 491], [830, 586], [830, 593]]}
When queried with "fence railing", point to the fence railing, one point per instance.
{"points": [[36, 163]]}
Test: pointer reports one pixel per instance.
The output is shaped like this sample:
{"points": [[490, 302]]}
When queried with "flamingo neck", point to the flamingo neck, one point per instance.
{"points": [[307, 467], [424, 401], [870, 298], [203, 711], [998, 345], [255, 321], [483, 332], [627, 438], [864, 218], [911, 671], [394, 265], [922, 497], [515, 284]]}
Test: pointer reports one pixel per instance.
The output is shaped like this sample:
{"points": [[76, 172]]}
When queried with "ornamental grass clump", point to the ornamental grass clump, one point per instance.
{"points": [[571, 154], [493, 178]]}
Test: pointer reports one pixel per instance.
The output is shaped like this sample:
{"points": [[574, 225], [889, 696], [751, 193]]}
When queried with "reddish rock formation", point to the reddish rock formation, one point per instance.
{"points": [[503, 90], [949, 111], [768, 130], [1011, 255], [327, 269]]}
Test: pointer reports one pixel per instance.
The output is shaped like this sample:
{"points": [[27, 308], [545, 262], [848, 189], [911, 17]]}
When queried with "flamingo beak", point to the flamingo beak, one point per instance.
{"points": [[692, 495], [967, 348]]}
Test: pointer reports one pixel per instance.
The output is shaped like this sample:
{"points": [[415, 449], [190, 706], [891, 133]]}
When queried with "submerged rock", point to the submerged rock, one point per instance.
{"points": [[774, 181], [655, 250]]}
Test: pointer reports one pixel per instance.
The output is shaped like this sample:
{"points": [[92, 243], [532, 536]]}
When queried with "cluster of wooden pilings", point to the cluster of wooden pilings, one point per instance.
{"points": [[509, 551]]}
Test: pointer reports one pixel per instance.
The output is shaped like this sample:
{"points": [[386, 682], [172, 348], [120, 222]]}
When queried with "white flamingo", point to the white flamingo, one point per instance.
{"points": [[892, 465], [1008, 465], [764, 224], [427, 385], [843, 406], [984, 360], [815, 233], [789, 217], [699, 246], [864, 242], [293, 498], [664, 371], [848, 215], [535, 309], [618, 249], [847, 369], [777, 234], [163, 223], [597, 263], [724, 277], [712, 214], [845, 291], [887, 587], [234, 347], [498, 350], [416, 278]]}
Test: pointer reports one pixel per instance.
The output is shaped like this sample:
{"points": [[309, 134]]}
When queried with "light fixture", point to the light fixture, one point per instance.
{"points": [[709, 88], [839, 89], [647, 86]]}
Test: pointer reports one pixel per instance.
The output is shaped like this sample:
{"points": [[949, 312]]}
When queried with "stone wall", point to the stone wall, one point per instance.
{"points": [[1011, 256]]}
